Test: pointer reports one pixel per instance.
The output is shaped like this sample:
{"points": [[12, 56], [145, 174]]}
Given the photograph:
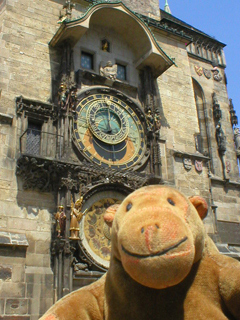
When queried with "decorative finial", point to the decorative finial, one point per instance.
{"points": [[166, 7], [68, 6]]}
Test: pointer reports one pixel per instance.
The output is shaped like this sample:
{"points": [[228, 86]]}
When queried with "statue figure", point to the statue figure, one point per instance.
{"points": [[76, 217], [157, 120], [237, 138], [150, 120], [221, 139], [62, 96], [60, 218], [105, 45], [214, 97], [217, 113], [109, 71], [78, 266]]}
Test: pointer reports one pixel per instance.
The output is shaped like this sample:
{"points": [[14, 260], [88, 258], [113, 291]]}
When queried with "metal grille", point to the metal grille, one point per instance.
{"points": [[36, 142], [33, 139]]}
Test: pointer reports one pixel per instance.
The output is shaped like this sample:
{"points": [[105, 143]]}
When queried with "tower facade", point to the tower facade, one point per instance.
{"points": [[97, 100]]}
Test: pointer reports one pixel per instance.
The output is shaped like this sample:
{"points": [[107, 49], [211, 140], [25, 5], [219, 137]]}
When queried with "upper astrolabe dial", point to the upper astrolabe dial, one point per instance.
{"points": [[107, 121], [108, 131]]}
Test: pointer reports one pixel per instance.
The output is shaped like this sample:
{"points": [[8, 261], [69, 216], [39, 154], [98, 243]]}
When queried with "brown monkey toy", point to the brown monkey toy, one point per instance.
{"points": [[163, 266]]}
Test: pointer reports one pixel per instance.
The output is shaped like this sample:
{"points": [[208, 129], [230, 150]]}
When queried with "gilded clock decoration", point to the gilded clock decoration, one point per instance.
{"points": [[96, 234], [109, 132]]}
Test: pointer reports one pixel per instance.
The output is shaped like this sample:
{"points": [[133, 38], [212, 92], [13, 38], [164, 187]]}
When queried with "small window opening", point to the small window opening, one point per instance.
{"points": [[33, 138], [87, 60], [121, 72]]}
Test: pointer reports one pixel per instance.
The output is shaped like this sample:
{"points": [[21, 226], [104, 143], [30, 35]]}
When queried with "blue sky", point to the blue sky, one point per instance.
{"points": [[219, 19]]}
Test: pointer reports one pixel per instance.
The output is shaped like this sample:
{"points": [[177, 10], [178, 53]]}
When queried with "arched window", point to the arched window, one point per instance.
{"points": [[201, 140]]}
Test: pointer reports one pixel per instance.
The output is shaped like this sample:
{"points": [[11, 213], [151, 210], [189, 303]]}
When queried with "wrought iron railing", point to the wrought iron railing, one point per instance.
{"points": [[35, 142]]}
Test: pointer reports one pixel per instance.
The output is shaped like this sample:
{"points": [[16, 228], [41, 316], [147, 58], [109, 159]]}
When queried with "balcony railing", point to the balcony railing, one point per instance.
{"points": [[43, 144]]}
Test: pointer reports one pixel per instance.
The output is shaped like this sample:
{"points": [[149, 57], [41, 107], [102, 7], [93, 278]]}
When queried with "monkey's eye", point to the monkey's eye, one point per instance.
{"points": [[129, 206], [171, 201]]}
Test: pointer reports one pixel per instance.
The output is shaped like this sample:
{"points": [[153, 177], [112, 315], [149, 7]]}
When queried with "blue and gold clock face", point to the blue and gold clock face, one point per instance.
{"points": [[109, 131]]}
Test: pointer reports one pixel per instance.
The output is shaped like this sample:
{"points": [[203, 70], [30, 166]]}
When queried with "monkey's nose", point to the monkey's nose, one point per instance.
{"points": [[149, 232]]}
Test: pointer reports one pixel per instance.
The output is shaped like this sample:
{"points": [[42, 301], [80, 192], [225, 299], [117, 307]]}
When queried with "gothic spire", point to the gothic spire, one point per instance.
{"points": [[166, 7]]}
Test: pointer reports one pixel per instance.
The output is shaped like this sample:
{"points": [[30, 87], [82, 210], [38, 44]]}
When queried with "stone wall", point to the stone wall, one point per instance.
{"points": [[179, 125], [27, 27], [148, 8], [178, 111], [27, 68], [219, 87]]}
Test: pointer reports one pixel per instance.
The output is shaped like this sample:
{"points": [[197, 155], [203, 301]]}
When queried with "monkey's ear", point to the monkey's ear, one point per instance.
{"points": [[110, 213], [200, 205]]}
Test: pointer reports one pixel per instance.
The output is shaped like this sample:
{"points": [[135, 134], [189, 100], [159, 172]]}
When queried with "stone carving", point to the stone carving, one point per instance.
{"points": [[79, 266], [60, 218], [228, 166], [69, 183], [198, 165], [214, 97], [237, 138], [187, 163], [207, 73], [217, 113], [47, 175], [31, 106], [221, 139], [68, 6], [233, 117], [199, 70], [109, 71], [216, 74]]}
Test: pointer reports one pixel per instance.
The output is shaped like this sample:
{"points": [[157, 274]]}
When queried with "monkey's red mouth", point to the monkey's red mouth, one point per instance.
{"points": [[151, 255]]}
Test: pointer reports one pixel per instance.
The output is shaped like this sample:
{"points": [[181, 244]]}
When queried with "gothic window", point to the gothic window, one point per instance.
{"points": [[33, 138], [201, 141], [86, 60], [121, 72]]}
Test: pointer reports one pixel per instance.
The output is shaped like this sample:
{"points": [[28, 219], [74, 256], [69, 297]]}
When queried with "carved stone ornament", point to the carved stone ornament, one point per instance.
{"points": [[207, 73], [221, 139], [228, 166], [24, 105], [47, 175], [109, 71], [187, 162], [199, 70], [237, 138], [198, 166], [216, 74]]}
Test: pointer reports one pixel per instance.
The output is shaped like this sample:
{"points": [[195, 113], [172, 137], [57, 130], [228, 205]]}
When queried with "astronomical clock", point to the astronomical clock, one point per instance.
{"points": [[109, 133], [109, 130]]}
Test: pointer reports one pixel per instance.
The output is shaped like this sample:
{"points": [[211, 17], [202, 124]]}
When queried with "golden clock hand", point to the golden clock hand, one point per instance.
{"points": [[113, 153], [109, 123]]}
